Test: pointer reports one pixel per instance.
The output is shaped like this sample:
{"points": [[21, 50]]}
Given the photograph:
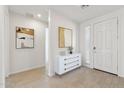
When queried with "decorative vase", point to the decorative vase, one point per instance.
{"points": [[70, 52]]}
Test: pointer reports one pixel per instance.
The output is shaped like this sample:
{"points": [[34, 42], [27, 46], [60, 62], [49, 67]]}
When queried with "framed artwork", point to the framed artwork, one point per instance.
{"points": [[24, 38]]}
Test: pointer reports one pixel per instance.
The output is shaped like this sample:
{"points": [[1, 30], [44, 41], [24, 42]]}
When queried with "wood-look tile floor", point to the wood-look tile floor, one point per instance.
{"points": [[79, 78]]}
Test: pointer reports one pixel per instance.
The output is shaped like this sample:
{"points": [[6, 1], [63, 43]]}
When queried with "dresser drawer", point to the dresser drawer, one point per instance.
{"points": [[71, 57], [67, 65], [71, 61], [66, 69]]}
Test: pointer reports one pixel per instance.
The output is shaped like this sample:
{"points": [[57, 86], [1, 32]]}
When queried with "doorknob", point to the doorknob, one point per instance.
{"points": [[94, 47]]}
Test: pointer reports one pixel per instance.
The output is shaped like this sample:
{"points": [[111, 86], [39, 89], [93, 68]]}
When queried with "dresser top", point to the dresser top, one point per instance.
{"points": [[70, 54]]}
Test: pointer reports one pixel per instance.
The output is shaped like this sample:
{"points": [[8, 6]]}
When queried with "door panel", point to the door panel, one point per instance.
{"points": [[105, 42]]}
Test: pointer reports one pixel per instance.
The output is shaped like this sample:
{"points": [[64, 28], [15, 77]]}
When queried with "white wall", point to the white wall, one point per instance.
{"points": [[56, 20], [3, 47], [25, 59], [120, 16], [6, 35]]}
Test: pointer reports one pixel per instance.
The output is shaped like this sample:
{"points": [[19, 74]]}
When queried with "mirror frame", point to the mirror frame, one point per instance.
{"points": [[59, 37]]}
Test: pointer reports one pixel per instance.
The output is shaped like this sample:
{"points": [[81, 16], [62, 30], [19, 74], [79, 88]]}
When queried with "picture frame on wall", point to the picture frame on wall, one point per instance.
{"points": [[24, 38]]}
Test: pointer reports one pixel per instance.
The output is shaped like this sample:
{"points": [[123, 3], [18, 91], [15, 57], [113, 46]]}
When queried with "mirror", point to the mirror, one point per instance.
{"points": [[65, 37]]}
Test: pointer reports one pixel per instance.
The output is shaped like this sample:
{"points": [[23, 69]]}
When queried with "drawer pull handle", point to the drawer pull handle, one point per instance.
{"points": [[65, 68], [64, 64]]}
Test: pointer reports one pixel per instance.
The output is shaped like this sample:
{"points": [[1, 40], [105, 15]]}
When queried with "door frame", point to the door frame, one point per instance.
{"points": [[93, 40]]}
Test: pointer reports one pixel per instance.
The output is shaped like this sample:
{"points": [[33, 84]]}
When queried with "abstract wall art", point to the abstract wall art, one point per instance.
{"points": [[24, 38]]}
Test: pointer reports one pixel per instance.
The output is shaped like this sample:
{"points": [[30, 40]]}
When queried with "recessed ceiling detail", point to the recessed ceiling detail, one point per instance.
{"points": [[84, 6]]}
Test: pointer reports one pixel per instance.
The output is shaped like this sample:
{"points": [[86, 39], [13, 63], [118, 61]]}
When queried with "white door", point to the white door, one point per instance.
{"points": [[105, 45]]}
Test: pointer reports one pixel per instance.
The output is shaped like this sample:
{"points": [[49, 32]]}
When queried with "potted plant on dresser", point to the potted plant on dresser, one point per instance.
{"points": [[70, 49]]}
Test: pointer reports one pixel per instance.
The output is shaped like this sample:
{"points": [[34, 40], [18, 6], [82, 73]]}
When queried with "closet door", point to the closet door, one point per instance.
{"points": [[105, 45]]}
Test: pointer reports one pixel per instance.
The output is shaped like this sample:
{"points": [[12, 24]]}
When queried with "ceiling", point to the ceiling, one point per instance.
{"points": [[31, 11], [73, 12], [76, 13]]}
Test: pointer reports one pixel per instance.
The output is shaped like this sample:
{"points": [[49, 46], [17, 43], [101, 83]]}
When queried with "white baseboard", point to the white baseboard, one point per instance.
{"points": [[51, 74], [87, 65], [26, 69], [120, 75]]}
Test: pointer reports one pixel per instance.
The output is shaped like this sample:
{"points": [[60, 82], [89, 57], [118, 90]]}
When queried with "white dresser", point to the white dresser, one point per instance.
{"points": [[67, 63]]}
